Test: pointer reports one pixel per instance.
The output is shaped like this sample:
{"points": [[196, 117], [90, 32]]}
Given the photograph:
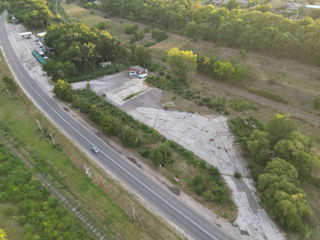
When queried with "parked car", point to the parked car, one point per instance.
{"points": [[142, 75], [36, 40], [95, 149], [132, 73], [45, 57]]}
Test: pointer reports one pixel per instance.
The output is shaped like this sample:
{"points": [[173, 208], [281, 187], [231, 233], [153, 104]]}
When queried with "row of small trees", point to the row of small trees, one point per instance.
{"points": [[149, 143], [42, 216], [282, 158]]}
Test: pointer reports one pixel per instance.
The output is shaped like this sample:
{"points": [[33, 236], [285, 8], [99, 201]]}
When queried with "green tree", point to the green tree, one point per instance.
{"points": [[223, 69], [3, 235], [62, 90], [280, 167], [193, 30], [183, 64], [131, 28], [259, 146], [129, 137], [161, 154], [159, 35], [280, 127], [140, 56], [296, 153]]}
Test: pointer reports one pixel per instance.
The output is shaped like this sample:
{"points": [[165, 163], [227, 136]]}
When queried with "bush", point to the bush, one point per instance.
{"points": [[159, 35], [241, 105], [146, 29], [129, 137], [11, 85], [138, 35], [237, 175], [131, 28], [316, 103], [102, 25]]}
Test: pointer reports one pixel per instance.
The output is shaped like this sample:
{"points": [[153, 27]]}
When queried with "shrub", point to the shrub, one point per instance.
{"points": [[241, 105], [11, 85], [131, 28], [237, 175], [159, 35], [316, 103], [102, 25], [138, 35], [129, 137]]}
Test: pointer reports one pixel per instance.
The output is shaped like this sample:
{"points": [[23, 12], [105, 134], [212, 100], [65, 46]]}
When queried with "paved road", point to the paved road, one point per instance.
{"points": [[165, 202]]}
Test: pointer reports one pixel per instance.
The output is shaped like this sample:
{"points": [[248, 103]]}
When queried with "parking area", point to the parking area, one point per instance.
{"points": [[23, 48]]}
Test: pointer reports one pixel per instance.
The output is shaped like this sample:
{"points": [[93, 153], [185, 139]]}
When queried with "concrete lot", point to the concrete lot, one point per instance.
{"points": [[209, 137]]}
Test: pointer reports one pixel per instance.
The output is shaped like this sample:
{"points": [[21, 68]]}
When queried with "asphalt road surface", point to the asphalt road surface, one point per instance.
{"points": [[164, 201]]}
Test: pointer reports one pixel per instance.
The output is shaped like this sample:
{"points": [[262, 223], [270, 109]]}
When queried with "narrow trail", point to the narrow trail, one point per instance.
{"points": [[261, 100]]}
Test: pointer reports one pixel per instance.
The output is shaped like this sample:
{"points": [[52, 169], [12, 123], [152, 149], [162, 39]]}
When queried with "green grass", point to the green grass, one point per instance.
{"points": [[100, 196], [270, 95], [8, 223]]}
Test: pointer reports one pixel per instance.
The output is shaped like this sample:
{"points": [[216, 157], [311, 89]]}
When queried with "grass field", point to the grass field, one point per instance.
{"points": [[100, 196]]}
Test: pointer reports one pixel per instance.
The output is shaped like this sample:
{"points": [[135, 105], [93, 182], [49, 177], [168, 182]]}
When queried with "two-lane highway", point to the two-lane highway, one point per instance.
{"points": [[165, 202]]}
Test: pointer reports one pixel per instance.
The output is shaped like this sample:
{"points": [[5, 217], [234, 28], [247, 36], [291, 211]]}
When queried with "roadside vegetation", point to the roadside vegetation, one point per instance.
{"points": [[165, 155], [281, 158], [62, 163], [42, 215]]}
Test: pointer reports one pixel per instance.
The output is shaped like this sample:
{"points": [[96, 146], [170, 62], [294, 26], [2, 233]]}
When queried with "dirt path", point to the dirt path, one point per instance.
{"points": [[261, 100]]}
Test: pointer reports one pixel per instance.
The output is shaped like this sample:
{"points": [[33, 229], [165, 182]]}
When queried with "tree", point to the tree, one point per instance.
{"points": [[296, 153], [129, 137], [131, 28], [159, 35], [259, 146], [3, 235], [280, 127], [183, 64], [223, 69], [280, 167], [62, 90], [232, 4], [193, 30], [287, 202], [161, 154], [140, 56]]}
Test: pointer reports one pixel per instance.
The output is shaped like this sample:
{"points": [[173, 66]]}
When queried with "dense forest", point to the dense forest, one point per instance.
{"points": [[42, 216], [33, 13], [244, 28], [78, 48], [281, 158]]}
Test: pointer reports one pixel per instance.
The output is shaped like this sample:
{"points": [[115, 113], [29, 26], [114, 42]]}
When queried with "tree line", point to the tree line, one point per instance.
{"points": [[78, 48], [33, 13], [42, 215], [281, 158], [207, 181], [244, 28]]}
